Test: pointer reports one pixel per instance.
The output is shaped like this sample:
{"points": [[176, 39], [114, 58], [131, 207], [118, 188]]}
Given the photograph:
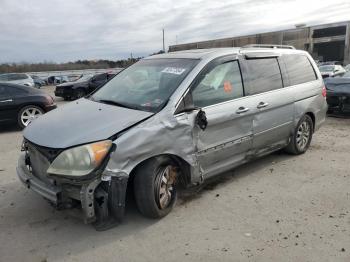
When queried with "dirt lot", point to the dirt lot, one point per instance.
{"points": [[279, 208]]}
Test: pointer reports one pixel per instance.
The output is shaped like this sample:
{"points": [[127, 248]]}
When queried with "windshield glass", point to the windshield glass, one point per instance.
{"points": [[327, 68], [146, 85]]}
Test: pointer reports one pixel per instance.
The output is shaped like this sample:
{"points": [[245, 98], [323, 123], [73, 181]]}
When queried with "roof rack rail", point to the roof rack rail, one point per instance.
{"points": [[269, 46]]}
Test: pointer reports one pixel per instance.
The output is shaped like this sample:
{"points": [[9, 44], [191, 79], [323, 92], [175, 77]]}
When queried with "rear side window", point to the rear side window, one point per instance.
{"points": [[264, 75], [299, 69], [221, 83]]}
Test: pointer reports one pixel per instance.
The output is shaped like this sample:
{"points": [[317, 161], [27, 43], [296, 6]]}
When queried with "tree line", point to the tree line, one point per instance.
{"points": [[77, 65]]}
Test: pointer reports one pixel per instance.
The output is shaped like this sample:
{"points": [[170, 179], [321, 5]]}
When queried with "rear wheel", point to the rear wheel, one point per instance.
{"points": [[28, 114], [155, 187], [302, 136]]}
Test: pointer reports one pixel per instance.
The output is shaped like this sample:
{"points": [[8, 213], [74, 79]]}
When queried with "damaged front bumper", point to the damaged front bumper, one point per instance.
{"points": [[339, 102], [102, 198]]}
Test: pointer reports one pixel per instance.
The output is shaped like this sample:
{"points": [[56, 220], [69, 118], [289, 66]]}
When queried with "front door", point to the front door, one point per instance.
{"points": [[227, 138]]}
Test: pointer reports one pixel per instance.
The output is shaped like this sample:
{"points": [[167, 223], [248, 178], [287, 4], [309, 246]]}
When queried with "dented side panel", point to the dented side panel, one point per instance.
{"points": [[163, 133]]}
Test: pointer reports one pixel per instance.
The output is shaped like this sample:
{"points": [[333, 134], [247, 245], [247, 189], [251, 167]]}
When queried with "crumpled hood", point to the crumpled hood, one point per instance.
{"points": [[81, 122]]}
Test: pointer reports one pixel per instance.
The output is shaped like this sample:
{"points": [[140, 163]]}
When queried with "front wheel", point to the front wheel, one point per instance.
{"points": [[155, 187], [302, 136], [28, 114]]}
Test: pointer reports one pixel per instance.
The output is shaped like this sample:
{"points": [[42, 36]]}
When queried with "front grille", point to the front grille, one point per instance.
{"points": [[49, 153], [40, 159]]}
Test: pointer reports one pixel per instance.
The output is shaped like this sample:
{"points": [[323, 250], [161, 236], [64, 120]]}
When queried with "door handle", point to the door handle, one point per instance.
{"points": [[4, 101], [242, 109], [262, 105]]}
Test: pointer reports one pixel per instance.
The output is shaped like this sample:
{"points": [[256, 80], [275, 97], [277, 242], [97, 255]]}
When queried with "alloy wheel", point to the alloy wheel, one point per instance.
{"points": [[303, 135], [165, 186], [29, 114]]}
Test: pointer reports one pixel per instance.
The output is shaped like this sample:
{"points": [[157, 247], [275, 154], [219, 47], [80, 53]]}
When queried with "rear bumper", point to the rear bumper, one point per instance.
{"points": [[49, 192]]}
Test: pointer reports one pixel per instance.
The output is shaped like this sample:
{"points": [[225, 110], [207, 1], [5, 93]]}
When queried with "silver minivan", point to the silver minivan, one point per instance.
{"points": [[171, 120]]}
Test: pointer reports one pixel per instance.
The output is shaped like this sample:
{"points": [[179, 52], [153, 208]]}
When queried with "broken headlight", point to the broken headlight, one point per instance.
{"points": [[81, 160]]}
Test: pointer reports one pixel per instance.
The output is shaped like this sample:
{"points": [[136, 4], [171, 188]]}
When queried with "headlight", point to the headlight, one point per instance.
{"points": [[81, 160]]}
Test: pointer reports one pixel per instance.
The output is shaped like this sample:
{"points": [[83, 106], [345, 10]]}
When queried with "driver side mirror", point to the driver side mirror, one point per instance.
{"points": [[201, 120], [186, 106]]}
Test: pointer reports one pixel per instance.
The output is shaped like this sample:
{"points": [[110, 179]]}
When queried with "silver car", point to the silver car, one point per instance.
{"points": [[17, 78], [172, 120]]}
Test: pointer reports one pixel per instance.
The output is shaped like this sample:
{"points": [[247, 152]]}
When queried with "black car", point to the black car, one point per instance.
{"points": [[338, 93], [81, 87], [22, 104]]}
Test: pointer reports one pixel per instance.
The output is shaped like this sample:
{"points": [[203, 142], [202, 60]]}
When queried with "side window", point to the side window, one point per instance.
{"points": [[100, 77], [222, 83], [4, 91], [264, 75], [299, 69]]}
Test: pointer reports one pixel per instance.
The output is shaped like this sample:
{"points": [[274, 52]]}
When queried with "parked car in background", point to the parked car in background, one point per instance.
{"points": [[338, 93], [168, 120], [98, 80], [38, 82], [331, 70], [347, 67], [54, 80], [17, 78], [23, 104], [81, 87]]}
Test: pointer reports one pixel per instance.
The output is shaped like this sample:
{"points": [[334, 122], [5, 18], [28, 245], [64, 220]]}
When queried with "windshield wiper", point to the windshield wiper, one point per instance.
{"points": [[115, 103]]}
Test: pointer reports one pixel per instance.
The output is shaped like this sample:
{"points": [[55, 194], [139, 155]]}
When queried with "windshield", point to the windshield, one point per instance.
{"points": [[146, 85], [327, 68]]}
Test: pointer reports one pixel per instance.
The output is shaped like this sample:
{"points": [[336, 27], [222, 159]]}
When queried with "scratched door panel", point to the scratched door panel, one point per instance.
{"points": [[227, 138]]}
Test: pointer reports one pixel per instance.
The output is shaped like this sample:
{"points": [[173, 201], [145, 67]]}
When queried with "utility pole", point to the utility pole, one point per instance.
{"points": [[163, 42]]}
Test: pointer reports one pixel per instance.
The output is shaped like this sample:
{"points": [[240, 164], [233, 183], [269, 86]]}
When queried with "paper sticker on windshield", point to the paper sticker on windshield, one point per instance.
{"points": [[174, 70]]}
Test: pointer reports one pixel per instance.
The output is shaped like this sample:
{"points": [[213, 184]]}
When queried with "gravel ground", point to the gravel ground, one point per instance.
{"points": [[278, 208]]}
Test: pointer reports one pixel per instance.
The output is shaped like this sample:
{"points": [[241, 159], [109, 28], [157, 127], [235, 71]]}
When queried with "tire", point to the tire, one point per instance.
{"points": [[27, 114], [149, 183], [79, 93], [302, 136]]}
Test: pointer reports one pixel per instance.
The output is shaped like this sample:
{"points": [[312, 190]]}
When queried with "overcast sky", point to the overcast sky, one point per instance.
{"points": [[59, 31]]}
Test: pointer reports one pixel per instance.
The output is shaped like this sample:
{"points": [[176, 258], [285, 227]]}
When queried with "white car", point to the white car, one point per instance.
{"points": [[331, 70], [17, 78], [347, 68]]}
